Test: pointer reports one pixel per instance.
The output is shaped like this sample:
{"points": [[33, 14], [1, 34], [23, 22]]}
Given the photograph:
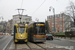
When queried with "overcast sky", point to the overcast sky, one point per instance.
{"points": [[8, 8]]}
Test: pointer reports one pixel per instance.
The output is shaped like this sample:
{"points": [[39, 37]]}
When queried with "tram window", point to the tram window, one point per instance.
{"points": [[26, 30], [15, 31], [40, 30], [30, 30], [21, 29]]}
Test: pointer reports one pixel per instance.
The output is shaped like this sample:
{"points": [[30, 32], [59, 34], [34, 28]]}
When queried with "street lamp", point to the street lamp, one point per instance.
{"points": [[54, 15]]}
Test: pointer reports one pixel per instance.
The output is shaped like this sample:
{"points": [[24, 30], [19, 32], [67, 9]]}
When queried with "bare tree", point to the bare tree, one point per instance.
{"points": [[70, 10]]}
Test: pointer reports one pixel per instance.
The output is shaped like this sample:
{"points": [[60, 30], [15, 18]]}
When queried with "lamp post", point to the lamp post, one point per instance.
{"points": [[54, 16]]}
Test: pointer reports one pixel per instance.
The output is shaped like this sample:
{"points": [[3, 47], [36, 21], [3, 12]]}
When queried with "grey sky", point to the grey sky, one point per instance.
{"points": [[8, 8]]}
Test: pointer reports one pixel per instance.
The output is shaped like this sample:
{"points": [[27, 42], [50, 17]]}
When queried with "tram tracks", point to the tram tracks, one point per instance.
{"points": [[32, 46], [26, 46], [42, 46]]}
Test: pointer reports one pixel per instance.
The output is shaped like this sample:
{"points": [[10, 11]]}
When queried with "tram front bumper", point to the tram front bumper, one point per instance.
{"points": [[21, 40], [40, 40], [16, 40]]}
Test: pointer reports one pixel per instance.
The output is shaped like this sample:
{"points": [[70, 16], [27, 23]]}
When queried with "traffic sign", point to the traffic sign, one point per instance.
{"points": [[54, 29]]}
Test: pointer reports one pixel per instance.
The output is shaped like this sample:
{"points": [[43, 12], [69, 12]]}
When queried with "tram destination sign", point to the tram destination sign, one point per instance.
{"points": [[21, 24], [40, 24]]}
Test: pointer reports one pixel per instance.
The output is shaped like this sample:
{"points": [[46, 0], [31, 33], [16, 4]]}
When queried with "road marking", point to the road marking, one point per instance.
{"points": [[7, 44]]}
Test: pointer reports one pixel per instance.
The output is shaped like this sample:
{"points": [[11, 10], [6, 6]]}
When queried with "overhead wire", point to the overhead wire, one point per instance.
{"points": [[21, 3], [39, 7]]}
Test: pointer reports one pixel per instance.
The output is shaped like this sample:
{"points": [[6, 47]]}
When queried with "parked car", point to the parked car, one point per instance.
{"points": [[12, 34], [3, 33], [7, 34], [49, 36]]}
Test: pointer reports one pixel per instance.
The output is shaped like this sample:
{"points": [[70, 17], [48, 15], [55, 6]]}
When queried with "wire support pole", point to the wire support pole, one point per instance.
{"points": [[54, 15]]}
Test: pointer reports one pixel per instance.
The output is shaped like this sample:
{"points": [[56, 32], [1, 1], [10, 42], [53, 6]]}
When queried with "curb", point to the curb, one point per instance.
{"points": [[72, 41], [60, 38], [66, 39], [7, 44]]}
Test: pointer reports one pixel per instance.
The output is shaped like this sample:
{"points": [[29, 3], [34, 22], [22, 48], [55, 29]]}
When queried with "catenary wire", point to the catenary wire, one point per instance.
{"points": [[39, 7], [21, 3]]}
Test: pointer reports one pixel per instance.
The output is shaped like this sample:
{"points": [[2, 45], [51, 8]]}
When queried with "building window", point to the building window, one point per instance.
{"points": [[60, 25], [60, 16], [60, 22], [55, 20], [49, 16], [60, 28], [53, 29], [60, 19], [55, 23], [52, 17], [52, 23]]}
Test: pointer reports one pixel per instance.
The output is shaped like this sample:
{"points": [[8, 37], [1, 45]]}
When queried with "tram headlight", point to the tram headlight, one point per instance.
{"points": [[21, 35]]}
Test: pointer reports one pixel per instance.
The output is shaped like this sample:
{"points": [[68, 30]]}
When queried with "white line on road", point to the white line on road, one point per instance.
{"points": [[7, 44]]}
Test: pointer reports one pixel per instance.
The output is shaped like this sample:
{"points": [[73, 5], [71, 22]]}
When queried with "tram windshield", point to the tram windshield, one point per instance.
{"points": [[40, 30], [21, 29]]}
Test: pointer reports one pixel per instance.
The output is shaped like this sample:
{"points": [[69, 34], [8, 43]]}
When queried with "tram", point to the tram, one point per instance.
{"points": [[20, 32], [36, 32]]}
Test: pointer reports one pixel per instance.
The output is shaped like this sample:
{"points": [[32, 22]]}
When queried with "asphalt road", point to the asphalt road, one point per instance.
{"points": [[56, 41], [62, 42], [4, 41]]}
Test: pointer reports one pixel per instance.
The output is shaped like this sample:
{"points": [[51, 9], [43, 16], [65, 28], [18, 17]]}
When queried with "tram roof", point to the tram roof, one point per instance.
{"points": [[21, 23], [36, 23]]}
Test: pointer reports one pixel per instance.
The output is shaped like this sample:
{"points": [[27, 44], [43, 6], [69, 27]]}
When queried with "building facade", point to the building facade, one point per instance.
{"points": [[62, 22], [24, 19], [3, 26], [9, 27]]}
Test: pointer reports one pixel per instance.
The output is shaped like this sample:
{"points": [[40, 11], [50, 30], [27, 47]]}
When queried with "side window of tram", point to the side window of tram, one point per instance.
{"points": [[15, 31], [26, 30], [30, 30]]}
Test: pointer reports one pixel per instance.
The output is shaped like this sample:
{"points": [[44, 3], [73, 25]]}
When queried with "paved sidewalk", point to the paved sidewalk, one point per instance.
{"points": [[59, 38]]}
